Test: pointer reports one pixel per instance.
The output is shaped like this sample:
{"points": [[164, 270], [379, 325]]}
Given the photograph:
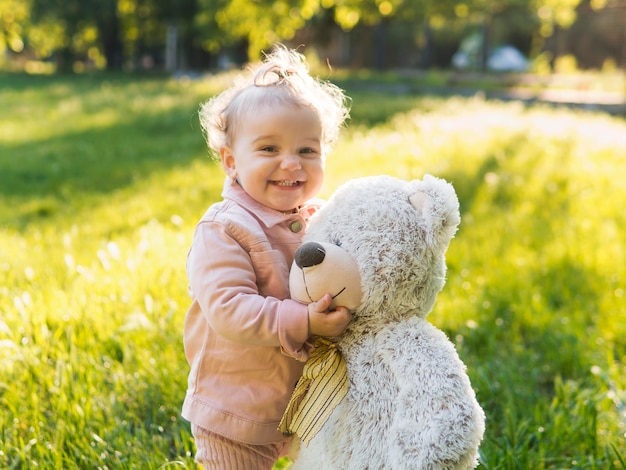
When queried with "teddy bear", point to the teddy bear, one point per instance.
{"points": [[397, 395]]}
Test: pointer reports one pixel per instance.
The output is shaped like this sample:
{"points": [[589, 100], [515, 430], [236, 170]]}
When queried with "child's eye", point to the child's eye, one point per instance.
{"points": [[308, 150], [268, 148]]}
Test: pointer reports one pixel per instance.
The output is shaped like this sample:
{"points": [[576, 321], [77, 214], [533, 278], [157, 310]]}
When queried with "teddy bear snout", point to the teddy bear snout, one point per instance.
{"points": [[309, 254]]}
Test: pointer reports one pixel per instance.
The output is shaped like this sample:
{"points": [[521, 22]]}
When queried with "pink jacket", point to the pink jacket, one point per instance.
{"points": [[245, 341]]}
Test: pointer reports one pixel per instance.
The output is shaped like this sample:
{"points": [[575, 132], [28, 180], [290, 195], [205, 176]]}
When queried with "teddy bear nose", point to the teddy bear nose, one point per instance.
{"points": [[309, 254]]}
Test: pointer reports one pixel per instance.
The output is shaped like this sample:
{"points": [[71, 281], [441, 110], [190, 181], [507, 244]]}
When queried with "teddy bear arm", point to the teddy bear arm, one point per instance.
{"points": [[434, 433], [437, 423]]}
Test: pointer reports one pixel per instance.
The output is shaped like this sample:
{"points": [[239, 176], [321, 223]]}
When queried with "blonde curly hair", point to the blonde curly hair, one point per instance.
{"points": [[282, 78]]}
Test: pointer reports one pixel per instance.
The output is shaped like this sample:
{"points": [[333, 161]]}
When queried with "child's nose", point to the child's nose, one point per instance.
{"points": [[291, 162]]}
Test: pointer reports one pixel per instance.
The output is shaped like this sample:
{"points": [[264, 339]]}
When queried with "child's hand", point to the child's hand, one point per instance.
{"points": [[327, 323]]}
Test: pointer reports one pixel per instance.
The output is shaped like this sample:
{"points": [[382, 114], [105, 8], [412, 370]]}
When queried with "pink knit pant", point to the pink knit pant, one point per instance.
{"points": [[215, 452]]}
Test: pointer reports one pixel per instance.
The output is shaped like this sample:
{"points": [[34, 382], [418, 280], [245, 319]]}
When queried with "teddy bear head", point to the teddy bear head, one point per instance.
{"points": [[378, 246]]}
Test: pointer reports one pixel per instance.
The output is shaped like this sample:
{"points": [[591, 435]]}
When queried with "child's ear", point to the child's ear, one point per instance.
{"points": [[228, 161]]}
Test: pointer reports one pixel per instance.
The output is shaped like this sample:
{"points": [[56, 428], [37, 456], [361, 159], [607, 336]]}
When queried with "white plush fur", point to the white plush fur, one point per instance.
{"points": [[410, 404]]}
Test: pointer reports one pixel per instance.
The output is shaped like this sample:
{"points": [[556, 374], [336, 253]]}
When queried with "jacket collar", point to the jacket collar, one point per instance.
{"points": [[269, 217]]}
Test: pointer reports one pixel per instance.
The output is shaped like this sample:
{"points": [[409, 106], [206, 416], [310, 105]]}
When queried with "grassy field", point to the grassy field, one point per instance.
{"points": [[103, 178]]}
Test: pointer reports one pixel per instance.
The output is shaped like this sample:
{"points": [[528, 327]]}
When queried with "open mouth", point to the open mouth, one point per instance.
{"points": [[287, 184]]}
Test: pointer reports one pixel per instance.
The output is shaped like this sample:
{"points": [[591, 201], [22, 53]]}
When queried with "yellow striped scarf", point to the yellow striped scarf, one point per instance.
{"points": [[321, 388]]}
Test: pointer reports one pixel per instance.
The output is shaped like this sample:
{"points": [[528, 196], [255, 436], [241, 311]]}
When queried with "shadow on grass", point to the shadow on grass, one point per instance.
{"points": [[72, 167], [78, 168], [100, 160]]}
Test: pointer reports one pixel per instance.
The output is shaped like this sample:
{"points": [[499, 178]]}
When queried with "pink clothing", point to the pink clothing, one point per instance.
{"points": [[215, 452], [245, 341]]}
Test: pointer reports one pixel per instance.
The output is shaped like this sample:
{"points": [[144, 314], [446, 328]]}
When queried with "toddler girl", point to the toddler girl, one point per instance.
{"points": [[245, 340]]}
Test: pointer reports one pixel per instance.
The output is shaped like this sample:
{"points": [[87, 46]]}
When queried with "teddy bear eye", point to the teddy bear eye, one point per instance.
{"points": [[337, 243]]}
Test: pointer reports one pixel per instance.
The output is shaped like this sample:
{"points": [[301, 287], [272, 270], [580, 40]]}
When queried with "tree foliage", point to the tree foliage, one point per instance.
{"points": [[259, 24], [14, 19], [111, 31]]}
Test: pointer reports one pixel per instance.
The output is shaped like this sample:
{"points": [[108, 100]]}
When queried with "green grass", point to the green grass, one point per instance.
{"points": [[613, 81], [103, 178]]}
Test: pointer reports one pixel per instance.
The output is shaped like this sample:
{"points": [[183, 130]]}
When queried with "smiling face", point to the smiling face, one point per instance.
{"points": [[276, 155]]}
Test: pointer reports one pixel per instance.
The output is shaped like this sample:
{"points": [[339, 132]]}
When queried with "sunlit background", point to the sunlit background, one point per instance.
{"points": [[42, 36], [104, 173]]}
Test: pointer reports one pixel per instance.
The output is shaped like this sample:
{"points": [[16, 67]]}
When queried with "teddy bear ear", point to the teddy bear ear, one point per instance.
{"points": [[417, 200], [436, 201]]}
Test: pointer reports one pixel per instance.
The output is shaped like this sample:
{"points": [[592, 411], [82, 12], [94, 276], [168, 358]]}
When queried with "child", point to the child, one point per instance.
{"points": [[245, 340]]}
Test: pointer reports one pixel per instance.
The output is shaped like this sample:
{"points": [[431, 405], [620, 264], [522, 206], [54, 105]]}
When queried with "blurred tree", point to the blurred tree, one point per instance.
{"points": [[541, 15], [145, 24], [61, 39], [14, 18], [114, 32], [178, 17], [107, 22], [260, 23], [86, 29]]}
